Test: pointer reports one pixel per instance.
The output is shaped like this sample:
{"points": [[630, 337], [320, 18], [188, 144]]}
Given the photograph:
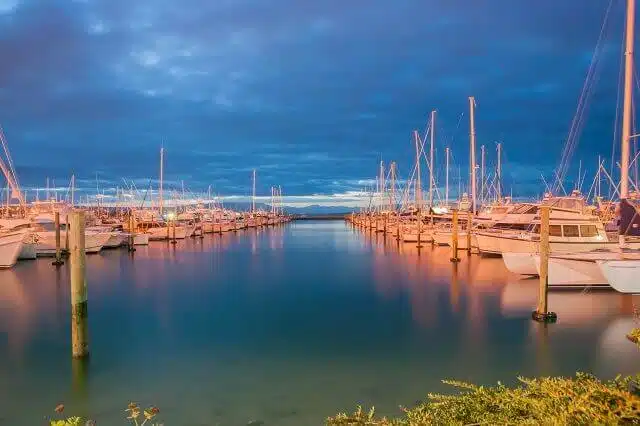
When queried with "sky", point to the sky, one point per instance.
{"points": [[311, 94]]}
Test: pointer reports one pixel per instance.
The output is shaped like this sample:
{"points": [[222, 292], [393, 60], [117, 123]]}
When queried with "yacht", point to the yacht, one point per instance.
{"points": [[617, 263], [10, 247], [573, 228], [566, 236], [45, 237], [494, 216]]}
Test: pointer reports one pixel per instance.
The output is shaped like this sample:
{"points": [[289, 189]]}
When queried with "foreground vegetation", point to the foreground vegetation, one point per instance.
{"points": [[581, 400], [135, 415]]}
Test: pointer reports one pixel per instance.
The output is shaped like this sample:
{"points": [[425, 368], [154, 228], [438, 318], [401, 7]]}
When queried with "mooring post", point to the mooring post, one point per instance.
{"points": [[58, 261], [132, 230], [66, 234], [419, 245], [454, 237], [542, 314], [173, 226], [79, 327], [469, 218]]}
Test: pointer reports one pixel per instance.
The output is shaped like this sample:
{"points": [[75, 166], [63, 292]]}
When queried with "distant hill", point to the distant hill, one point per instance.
{"points": [[313, 209]]}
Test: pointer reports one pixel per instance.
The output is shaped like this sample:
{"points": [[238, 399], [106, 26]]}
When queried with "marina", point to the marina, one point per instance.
{"points": [[288, 325], [279, 215]]}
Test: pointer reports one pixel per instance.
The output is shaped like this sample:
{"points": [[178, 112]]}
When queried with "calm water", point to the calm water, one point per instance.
{"points": [[286, 326]]}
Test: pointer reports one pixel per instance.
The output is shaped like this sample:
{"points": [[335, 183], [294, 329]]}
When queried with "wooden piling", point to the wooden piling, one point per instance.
{"points": [[132, 230], [419, 245], [454, 237], [58, 261], [173, 226], [541, 314], [79, 326], [469, 223], [66, 234]]}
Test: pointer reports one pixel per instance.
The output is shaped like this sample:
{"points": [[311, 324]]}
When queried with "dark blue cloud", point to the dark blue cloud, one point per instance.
{"points": [[310, 94]]}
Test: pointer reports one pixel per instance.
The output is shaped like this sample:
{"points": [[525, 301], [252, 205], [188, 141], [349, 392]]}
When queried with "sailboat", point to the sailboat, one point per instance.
{"points": [[443, 234], [619, 266], [11, 240], [153, 223], [414, 226]]}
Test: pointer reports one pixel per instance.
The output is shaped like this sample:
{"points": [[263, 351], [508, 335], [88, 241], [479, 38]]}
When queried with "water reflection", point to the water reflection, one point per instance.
{"points": [[481, 293], [428, 276], [287, 325]]}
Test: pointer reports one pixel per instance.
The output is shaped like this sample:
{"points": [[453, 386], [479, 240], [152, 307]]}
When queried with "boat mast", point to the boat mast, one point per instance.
{"points": [[418, 187], [73, 188], [482, 174], [433, 132], [393, 187], [381, 187], [626, 109], [253, 196], [499, 172], [446, 180], [10, 173], [161, 203], [599, 177], [472, 159]]}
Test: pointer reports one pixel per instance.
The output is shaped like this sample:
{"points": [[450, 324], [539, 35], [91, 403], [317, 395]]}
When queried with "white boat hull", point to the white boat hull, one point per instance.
{"points": [[46, 242], [163, 233], [498, 243], [622, 275], [141, 239], [573, 272], [443, 238], [10, 247], [520, 263]]}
